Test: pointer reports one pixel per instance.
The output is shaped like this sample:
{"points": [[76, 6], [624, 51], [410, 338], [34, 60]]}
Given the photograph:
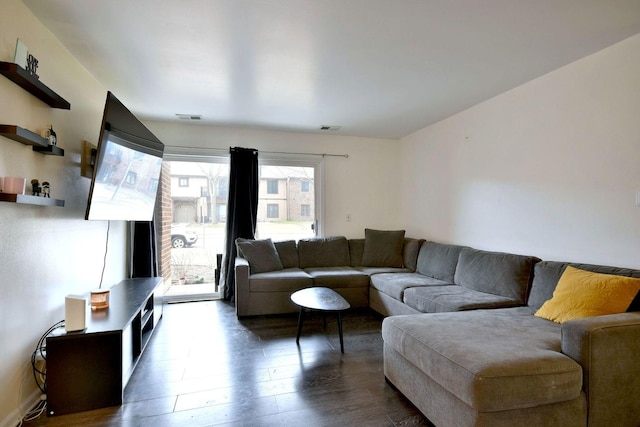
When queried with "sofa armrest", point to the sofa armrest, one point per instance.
{"points": [[242, 286], [607, 347]]}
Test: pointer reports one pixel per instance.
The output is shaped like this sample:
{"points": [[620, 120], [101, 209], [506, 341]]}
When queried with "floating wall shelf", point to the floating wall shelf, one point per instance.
{"points": [[27, 137], [26, 199], [22, 78]]}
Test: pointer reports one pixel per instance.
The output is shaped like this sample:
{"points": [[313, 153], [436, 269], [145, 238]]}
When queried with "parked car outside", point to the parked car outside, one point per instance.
{"points": [[181, 237]]}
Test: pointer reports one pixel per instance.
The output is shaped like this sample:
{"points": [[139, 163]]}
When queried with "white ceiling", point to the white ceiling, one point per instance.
{"points": [[378, 68]]}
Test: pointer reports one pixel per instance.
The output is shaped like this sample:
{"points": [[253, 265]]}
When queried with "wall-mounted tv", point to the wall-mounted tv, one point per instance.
{"points": [[126, 172]]}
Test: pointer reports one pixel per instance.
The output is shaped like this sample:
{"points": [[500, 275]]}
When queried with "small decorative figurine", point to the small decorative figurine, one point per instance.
{"points": [[35, 187], [45, 189], [51, 136], [32, 65]]}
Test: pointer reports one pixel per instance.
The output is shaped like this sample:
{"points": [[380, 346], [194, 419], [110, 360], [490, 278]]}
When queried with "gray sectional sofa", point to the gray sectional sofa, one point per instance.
{"points": [[463, 338]]}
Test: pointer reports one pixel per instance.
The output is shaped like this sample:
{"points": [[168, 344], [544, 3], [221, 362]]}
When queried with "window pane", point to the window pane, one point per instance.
{"points": [[272, 186], [286, 202], [272, 211]]}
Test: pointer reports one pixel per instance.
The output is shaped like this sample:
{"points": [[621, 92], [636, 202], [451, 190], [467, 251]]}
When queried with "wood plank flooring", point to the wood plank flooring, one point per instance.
{"points": [[204, 367]]}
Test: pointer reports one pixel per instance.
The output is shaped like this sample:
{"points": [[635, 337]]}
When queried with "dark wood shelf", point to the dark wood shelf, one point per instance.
{"points": [[25, 136], [26, 199], [49, 150], [22, 78], [22, 135]]}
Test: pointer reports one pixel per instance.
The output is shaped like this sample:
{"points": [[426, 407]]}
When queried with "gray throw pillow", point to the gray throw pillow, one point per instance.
{"points": [[382, 248], [288, 252], [261, 255]]}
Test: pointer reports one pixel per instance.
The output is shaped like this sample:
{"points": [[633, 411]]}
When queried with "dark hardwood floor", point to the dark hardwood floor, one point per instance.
{"points": [[204, 367]]}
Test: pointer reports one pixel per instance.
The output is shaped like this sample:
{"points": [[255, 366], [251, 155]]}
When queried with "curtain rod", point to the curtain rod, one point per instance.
{"points": [[346, 156]]}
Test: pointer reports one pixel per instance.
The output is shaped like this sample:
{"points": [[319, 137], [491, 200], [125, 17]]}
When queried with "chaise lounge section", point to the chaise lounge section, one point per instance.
{"points": [[510, 367]]}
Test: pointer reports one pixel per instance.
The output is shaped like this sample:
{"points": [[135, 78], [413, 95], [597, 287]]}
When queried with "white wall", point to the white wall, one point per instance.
{"points": [[364, 185], [45, 252], [550, 168]]}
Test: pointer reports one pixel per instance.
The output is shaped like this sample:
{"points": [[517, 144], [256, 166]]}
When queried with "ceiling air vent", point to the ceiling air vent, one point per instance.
{"points": [[327, 127], [189, 116]]}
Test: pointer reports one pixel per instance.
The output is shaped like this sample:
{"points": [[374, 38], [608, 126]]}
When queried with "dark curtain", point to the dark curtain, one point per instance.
{"points": [[144, 252], [242, 210]]}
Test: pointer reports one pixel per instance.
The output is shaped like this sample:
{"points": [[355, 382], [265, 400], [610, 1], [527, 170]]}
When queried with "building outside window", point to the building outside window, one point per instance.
{"points": [[305, 210], [304, 186], [183, 181]]}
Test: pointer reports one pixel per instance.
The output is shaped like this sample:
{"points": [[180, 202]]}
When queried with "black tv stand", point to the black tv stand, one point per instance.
{"points": [[89, 369]]}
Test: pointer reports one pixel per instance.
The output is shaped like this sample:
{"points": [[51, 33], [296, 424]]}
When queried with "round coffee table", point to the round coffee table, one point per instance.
{"points": [[320, 299]]}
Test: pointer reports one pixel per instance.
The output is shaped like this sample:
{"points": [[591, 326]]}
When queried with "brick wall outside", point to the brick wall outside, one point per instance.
{"points": [[164, 217]]}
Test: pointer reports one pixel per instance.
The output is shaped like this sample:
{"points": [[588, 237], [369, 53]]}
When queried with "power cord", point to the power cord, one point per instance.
{"points": [[39, 366], [40, 375], [106, 251]]}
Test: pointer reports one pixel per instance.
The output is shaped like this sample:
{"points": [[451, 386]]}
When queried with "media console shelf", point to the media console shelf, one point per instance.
{"points": [[35, 87], [89, 369]]}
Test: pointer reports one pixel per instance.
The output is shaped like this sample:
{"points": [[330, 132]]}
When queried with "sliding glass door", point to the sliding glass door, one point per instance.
{"points": [[199, 191]]}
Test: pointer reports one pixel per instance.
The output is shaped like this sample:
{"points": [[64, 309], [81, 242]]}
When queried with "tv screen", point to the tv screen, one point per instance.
{"points": [[127, 168]]}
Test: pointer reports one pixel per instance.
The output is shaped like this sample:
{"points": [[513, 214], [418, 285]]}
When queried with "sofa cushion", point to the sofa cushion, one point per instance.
{"points": [[261, 254], [496, 273], [410, 252], [548, 273], [324, 252], [382, 248], [338, 277], [379, 270], [287, 280], [356, 248], [288, 253], [394, 285], [438, 260], [582, 293], [493, 360], [439, 299]]}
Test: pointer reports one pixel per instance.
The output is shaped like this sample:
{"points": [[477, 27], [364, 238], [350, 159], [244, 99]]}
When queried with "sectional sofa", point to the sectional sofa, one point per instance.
{"points": [[472, 337]]}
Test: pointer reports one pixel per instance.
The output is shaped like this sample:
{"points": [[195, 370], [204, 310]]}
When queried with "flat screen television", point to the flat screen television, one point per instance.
{"points": [[126, 172]]}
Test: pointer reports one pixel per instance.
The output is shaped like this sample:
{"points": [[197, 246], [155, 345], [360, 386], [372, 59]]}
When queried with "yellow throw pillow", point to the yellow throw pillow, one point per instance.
{"points": [[582, 293]]}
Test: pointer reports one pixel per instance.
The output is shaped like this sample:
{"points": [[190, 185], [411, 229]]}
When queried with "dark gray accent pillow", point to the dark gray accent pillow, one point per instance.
{"points": [[288, 252], [382, 248], [261, 255]]}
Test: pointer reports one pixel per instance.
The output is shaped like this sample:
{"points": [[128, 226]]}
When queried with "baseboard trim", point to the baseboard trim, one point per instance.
{"points": [[15, 416]]}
